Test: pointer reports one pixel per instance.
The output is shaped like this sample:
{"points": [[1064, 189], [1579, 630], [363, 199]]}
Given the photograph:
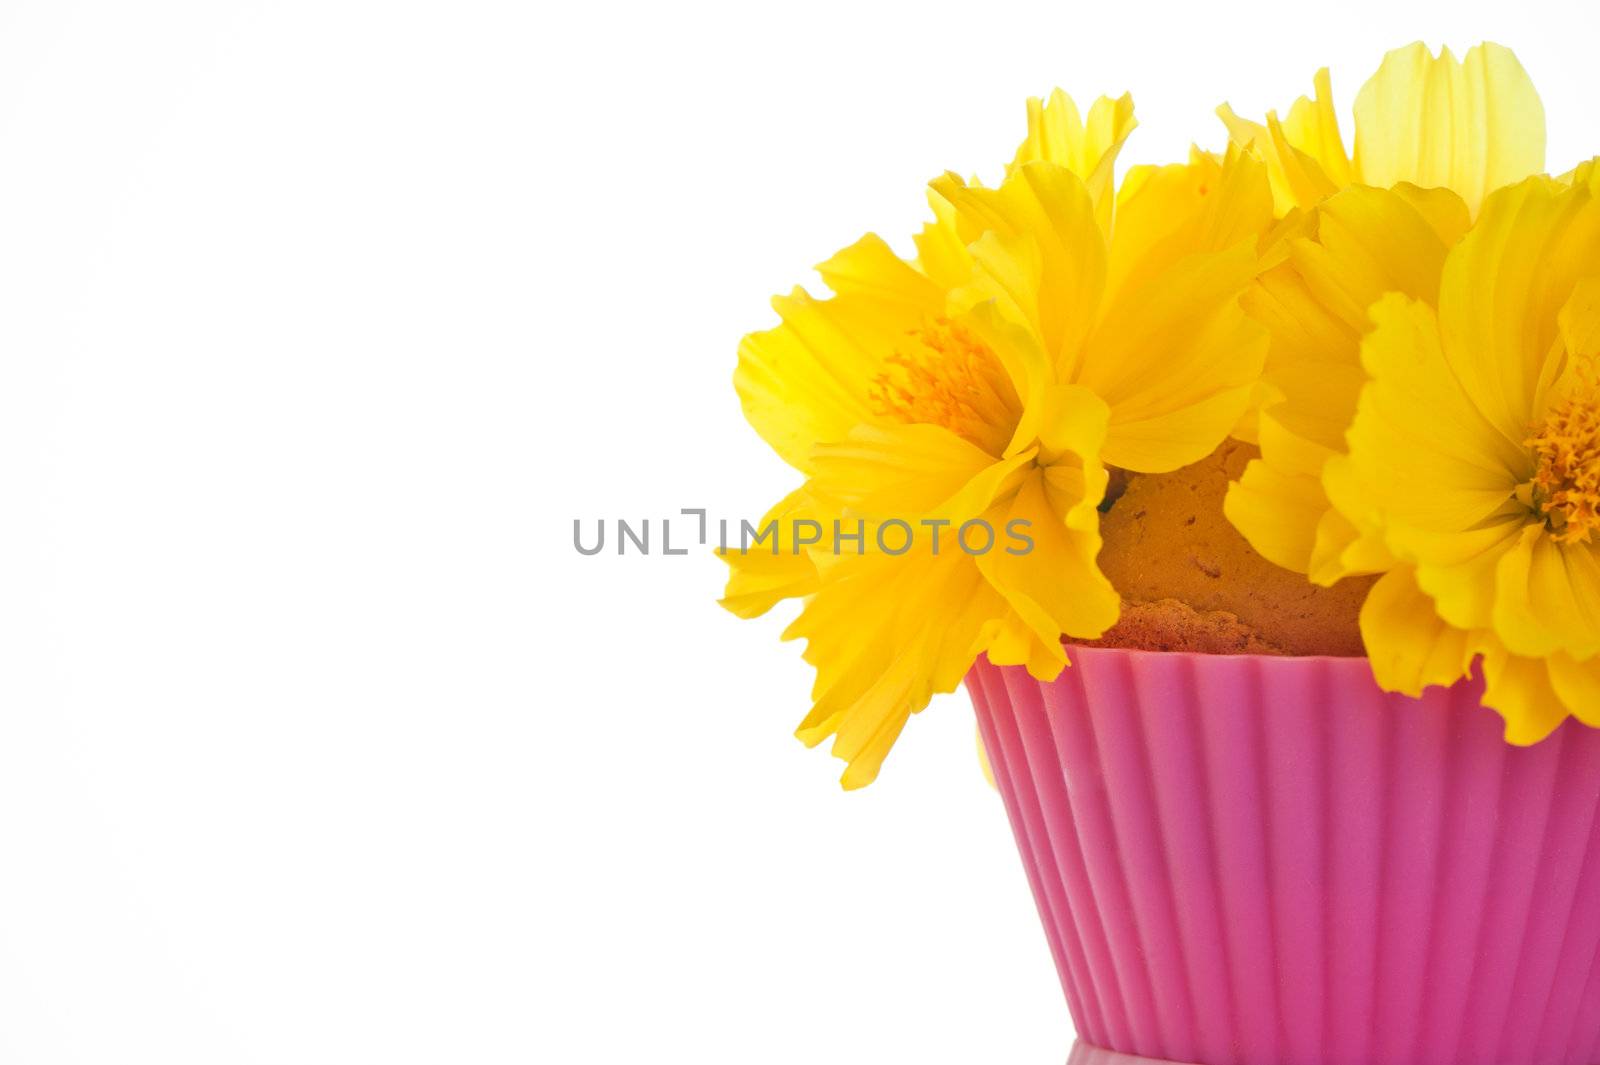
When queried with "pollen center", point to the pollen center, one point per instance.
{"points": [[1566, 488], [946, 376]]}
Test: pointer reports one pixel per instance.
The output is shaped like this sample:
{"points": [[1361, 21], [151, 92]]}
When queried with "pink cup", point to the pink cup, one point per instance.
{"points": [[1246, 860]]}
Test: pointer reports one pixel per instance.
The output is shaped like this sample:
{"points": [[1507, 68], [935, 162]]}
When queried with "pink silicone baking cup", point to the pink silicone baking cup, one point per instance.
{"points": [[1244, 860]]}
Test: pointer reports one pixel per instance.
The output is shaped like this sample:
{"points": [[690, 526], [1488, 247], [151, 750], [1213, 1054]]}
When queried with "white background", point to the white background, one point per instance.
{"points": [[319, 325]]}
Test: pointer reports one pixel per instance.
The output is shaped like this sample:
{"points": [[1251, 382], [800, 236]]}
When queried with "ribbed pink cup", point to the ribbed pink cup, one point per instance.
{"points": [[1244, 860]]}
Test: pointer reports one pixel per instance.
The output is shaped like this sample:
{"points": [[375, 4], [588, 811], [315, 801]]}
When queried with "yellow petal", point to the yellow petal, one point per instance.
{"points": [[1343, 548], [1306, 336], [885, 634], [900, 471], [1443, 209], [1055, 585], [1520, 690], [1371, 241], [869, 268], [1277, 512], [1166, 213], [1052, 581], [1457, 568], [1056, 134], [1547, 597], [1305, 155], [1427, 467], [1176, 360], [1501, 295], [1421, 448], [1072, 430], [1577, 684], [1295, 436], [942, 245], [1350, 536], [809, 381], [1408, 644], [1043, 256], [1014, 643], [763, 574], [1362, 243], [1313, 129], [1472, 126], [1585, 173], [1580, 320]]}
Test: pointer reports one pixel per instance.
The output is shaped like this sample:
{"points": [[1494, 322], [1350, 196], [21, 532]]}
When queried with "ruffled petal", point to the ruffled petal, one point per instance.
{"points": [[1344, 549], [1177, 361], [1408, 644], [1351, 534], [1042, 256], [1277, 512], [1421, 449], [1579, 320], [1052, 582], [1547, 597], [1361, 243], [1011, 641], [1577, 684], [1313, 128], [1458, 568], [1357, 246], [1305, 334], [1501, 295], [1520, 690], [1473, 126], [870, 269], [942, 252], [904, 471], [1586, 173], [1371, 241], [1305, 154], [767, 573], [1167, 213], [1056, 134], [1054, 585], [1443, 209], [885, 634], [810, 380], [1088, 148]]}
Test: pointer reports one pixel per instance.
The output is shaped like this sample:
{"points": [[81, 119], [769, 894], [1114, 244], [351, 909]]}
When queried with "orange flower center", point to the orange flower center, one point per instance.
{"points": [[946, 376], [1566, 488]]}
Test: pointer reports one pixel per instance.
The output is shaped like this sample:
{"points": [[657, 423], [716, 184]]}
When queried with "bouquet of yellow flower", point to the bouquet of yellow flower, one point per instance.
{"points": [[1255, 498]]}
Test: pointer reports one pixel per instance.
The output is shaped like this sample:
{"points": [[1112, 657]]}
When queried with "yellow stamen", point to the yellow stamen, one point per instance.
{"points": [[949, 377], [1566, 488]]}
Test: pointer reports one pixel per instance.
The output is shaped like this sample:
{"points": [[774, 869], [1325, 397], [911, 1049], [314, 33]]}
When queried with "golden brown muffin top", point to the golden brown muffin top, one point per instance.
{"points": [[1190, 582]]}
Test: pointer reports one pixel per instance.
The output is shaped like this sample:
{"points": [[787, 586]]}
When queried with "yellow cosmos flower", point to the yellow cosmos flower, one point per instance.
{"points": [[1432, 137], [1472, 125], [1475, 450], [1359, 244], [1044, 331], [819, 374]]}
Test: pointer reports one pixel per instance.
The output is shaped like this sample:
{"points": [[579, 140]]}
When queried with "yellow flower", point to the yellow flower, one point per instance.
{"points": [[1359, 244], [1475, 450], [1472, 126], [1435, 135], [817, 375], [1044, 332]]}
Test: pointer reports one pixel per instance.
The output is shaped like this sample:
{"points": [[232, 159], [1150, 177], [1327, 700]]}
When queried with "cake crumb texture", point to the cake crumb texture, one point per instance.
{"points": [[1169, 625]]}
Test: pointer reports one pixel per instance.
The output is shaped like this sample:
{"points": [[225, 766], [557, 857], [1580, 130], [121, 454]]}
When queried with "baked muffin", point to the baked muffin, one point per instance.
{"points": [[1190, 582]]}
